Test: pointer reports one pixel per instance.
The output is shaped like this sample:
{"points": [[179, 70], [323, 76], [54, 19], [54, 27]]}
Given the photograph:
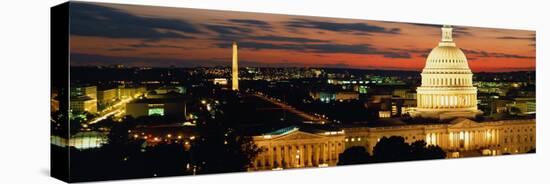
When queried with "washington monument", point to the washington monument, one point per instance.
{"points": [[235, 70]]}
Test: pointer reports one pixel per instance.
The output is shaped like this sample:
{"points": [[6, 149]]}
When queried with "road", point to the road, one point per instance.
{"points": [[284, 106], [116, 109]]}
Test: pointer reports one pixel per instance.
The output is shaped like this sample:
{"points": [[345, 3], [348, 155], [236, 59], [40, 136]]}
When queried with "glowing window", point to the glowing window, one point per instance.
{"points": [[156, 111]]}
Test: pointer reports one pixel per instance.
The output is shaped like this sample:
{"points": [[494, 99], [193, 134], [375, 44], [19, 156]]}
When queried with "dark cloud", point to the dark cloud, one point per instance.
{"points": [[530, 38], [341, 48], [261, 45], [326, 48], [478, 53], [121, 49], [286, 39], [425, 25], [82, 59], [251, 22], [406, 52], [148, 45], [226, 30], [228, 34], [514, 38], [96, 20], [340, 27], [457, 30], [461, 31], [397, 55], [252, 63]]}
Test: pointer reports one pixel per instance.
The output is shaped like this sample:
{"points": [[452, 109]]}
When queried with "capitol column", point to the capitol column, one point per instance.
{"points": [[481, 138], [277, 156], [303, 158], [487, 137], [309, 155], [432, 101], [321, 153], [288, 153], [317, 153], [421, 100], [293, 155], [436, 101], [452, 140], [325, 147], [271, 156], [462, 101], [498, 137], [459, 101], [475, 138]]}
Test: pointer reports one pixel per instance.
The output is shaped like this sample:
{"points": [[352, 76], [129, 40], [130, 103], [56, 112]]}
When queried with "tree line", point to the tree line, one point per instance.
{"points": [[391, 149]]}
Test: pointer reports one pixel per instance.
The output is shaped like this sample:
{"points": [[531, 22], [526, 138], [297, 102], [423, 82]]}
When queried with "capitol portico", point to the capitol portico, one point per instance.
{"points": [[459, 138], [293, 147]]}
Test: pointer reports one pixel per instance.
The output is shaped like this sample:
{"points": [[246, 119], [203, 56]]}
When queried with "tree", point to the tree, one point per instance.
{"points": [[354, 155], [220, 150], [166, 159], [419, 151], [396, 149], [391, 149]]}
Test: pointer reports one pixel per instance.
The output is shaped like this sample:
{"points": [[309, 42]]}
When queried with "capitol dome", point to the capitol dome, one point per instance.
{"points": [[446, 57], [447, 89]]}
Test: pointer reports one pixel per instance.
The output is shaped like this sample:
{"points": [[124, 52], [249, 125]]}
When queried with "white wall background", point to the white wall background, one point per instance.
{"points": [[24, 98]]}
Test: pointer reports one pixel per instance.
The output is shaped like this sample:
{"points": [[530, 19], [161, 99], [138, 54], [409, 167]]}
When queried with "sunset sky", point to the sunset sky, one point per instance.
{"points": [[109, 34]]}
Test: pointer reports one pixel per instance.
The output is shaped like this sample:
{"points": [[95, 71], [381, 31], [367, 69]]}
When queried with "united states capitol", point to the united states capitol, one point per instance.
{"points": [[446, 93]]}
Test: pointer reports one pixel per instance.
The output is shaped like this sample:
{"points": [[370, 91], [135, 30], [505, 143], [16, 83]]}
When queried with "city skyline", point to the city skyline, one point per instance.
{"points": [[157, 91], [110, 34]]}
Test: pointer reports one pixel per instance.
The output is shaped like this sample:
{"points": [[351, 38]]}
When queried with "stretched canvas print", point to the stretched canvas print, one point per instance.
{"points": [[145, 91]]}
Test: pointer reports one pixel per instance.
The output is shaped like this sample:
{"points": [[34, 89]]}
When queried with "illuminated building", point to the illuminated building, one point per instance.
{"points": [[170, 89], [235, 69], [106, 97], [90, 91], [156, 107], [130, 92], [384, 114], [220, 81], [446, 89], [79, 104], [523, 106], [83, 99], [327, 96], [294, 147], [461, 137], [82, 140]]}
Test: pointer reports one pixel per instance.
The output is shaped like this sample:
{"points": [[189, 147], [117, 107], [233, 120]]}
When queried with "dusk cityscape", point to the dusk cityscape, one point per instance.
{"points": [[157, 91]]}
